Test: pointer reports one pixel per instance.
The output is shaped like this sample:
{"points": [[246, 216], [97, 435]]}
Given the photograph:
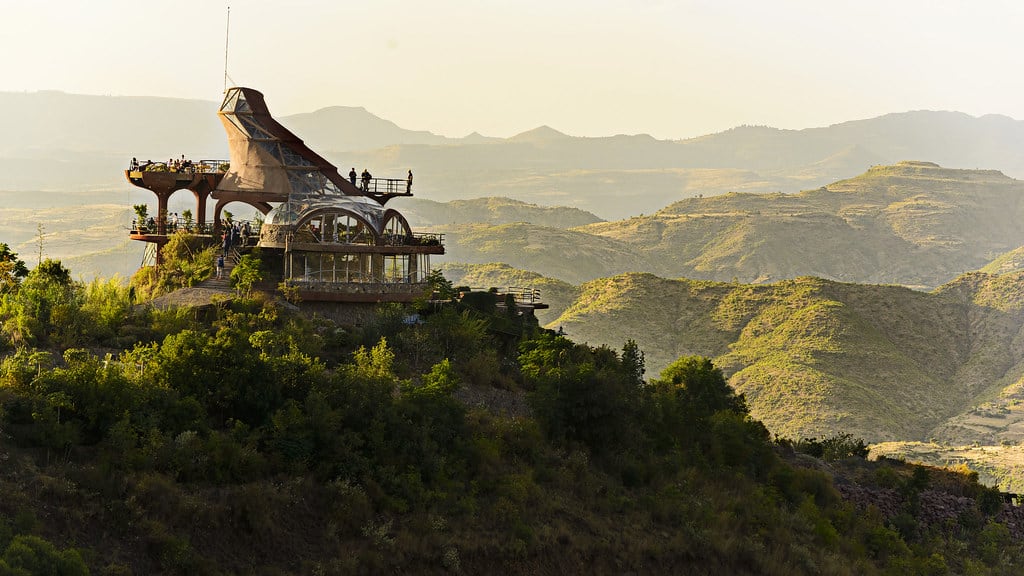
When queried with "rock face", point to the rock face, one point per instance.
{"points": [[934, 509]]}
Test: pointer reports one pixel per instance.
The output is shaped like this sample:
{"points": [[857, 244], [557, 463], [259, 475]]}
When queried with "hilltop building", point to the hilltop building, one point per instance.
{"points": [[330, 237]]}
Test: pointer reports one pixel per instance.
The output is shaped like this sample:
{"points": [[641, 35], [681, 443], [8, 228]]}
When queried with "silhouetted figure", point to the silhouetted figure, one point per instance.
{"points": [[366, 180], [408, 184], [352, 176]]}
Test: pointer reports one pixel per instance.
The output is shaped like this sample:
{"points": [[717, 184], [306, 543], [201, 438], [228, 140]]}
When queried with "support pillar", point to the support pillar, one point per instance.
{"points": [[412, 268]]}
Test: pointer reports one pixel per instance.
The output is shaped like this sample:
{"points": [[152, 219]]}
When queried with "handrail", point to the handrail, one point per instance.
{"points": [[414, 239], [522, 294], [188, 167], [153, 225], [392, 186]]}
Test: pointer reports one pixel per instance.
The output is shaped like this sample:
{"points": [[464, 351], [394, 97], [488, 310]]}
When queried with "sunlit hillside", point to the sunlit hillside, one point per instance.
{"points": [[913, 223], [817, 357]]}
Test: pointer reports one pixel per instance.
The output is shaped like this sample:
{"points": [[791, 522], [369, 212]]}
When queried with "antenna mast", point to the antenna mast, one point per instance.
{"points": [[227, 35]]}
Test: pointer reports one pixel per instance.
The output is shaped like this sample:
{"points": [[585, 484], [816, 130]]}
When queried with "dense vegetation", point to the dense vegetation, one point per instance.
{"points": [[241, 438]]}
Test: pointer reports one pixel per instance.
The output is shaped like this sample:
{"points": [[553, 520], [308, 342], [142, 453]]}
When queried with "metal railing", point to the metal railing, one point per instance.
{"points": [[152, 226], [414, 239], [387, 239], [522, 294], [395, 186], [185, 167]]}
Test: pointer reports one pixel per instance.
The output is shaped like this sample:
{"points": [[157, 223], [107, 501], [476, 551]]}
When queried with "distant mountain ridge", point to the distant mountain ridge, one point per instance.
{"points": [[93, 137]]}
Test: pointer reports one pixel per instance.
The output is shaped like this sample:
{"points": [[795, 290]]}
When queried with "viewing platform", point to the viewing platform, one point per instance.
{"points": [[384, 189], [164, 179], [525, 298]]}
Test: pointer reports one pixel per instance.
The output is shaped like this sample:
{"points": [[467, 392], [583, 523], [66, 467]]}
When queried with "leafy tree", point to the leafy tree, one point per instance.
{"points": [[33, 555], [12, 269], [692, 409], [633, 362], [581, 394], [246, 273], [106, 304], [442, 379], [54, 271], [46, 306], [141, 213], [377, 363], [704, 385], [289, 291], [441, 285]]}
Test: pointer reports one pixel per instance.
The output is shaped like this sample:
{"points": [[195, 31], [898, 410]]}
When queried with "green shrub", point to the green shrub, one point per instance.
{"points": [[33, 555]]}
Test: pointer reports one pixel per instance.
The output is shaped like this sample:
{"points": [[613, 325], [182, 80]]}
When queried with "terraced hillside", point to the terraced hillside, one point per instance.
{"points": [[819, 357]]}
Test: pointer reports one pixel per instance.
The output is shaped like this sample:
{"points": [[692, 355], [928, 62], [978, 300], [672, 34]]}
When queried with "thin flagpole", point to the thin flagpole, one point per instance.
{"points": [[227, 35]]}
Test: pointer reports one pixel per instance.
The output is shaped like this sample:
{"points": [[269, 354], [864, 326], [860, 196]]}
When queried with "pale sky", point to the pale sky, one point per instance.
{"points": [[672, 69]]}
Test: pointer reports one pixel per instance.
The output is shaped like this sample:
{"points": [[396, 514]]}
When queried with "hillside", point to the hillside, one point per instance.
{"points": [[422, 213], [252, 438], [817, 357], [1012, 261], [567, 255], [913, 223]]}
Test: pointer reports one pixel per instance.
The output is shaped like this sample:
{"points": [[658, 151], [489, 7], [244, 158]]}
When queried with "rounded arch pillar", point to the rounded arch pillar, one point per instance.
{"points": [[263, 207]]}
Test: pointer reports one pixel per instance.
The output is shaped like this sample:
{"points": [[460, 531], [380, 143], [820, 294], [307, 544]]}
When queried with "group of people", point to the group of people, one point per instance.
{"points": [[173, 221], [366, 177], [173, 165], [234, 234]]}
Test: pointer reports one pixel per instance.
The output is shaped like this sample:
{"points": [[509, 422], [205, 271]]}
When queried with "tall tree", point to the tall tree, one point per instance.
{"points": [[12, 268]]}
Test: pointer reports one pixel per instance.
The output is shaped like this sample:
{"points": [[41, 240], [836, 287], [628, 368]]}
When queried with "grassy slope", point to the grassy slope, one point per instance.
{"points": [[818, 357], [422, 212], [912, 223], [564, 254]]}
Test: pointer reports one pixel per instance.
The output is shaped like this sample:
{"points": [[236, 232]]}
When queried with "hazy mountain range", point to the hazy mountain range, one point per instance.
{"points": [[58, 141]]}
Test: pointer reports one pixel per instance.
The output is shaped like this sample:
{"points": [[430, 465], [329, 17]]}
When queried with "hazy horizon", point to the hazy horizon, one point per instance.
{"points": [[669, 69]]}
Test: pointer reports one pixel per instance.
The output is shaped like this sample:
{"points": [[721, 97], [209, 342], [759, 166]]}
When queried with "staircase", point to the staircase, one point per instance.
{"points": [[222, 284]]}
